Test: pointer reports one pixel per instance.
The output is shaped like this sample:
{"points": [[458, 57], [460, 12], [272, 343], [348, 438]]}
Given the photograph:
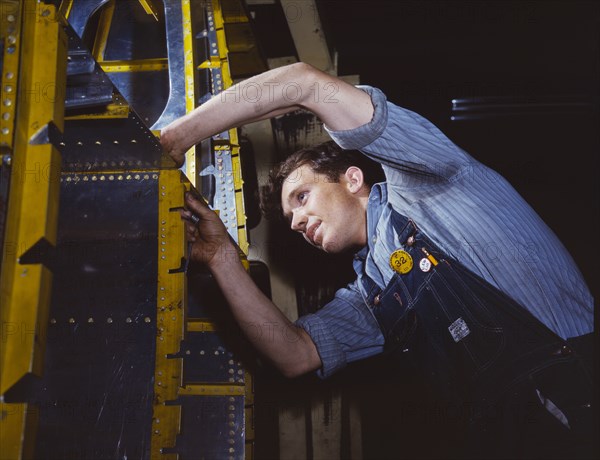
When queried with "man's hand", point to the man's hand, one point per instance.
{"points": [[168, 143], [212, 244]]}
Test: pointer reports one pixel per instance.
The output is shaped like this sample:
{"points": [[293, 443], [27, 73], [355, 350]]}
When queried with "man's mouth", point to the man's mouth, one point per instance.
{"points": [[311, 231]]}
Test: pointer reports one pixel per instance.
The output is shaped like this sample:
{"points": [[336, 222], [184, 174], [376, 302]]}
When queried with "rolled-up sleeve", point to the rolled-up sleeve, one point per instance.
{"points": [[403, 140], [343, 331]]}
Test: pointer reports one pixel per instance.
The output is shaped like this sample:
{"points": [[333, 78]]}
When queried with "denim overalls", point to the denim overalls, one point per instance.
{"points": [[486, 354]]}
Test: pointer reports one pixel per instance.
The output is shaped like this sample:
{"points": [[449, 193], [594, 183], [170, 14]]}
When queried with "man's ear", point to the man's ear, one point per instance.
{"points": [[355, 178]]}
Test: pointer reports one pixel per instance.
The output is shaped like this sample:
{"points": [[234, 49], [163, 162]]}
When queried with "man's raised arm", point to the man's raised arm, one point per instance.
{"points": [[339, 105]]}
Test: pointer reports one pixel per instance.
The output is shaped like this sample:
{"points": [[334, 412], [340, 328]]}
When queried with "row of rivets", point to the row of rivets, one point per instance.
{"points": [[231, 439], [91, 320], [109, 177], [8, 89]]}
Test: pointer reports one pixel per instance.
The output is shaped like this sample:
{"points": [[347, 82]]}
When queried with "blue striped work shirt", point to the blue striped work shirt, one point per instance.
{"points": [[470, 211]]}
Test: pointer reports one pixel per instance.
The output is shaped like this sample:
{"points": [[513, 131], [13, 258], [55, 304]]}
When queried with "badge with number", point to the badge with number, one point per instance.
{"points": [[401, 261]]}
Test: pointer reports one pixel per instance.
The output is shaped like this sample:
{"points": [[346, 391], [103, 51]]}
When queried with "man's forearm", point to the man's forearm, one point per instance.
{"points": [[287, 346], [275, 92], [245, 102]]}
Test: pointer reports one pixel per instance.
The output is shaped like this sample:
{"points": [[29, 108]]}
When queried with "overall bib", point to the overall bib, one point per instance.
{"points": [[486, 355]]}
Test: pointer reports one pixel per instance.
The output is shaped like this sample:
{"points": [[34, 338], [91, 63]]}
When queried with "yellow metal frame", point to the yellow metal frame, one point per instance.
{"points": [[101, 37], [31, 216], [170, 313], [140, 65], [150, 8]]}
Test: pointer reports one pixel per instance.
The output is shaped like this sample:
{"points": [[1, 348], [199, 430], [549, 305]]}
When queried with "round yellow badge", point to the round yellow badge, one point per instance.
{"points": [[401, 261]]}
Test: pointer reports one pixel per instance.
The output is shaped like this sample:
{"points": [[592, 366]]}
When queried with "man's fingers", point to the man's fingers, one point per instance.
{"points": [[198, 206]]}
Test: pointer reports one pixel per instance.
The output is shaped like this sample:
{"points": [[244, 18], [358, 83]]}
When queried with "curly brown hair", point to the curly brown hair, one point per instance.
{"points": [[328, 159]]}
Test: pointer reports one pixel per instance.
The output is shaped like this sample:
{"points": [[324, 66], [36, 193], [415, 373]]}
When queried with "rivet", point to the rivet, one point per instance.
{"points": [[147, 319], [71, 320], [90, 320], [109, 320], [128, 320]]}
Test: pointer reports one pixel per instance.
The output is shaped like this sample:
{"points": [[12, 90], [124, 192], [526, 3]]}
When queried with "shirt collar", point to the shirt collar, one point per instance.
{"points": [[377, 200]]}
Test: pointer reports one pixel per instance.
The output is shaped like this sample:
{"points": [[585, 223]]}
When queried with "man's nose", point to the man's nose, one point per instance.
{"points": [[298, 221]]}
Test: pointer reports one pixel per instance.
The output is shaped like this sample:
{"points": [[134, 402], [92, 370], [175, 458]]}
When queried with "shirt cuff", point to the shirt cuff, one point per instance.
{"points": [[333, 358], [362, 136]]}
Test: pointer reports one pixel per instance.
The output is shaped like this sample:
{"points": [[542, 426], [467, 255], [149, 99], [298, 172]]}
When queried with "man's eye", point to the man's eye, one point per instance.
{"points": [[301, 196]]}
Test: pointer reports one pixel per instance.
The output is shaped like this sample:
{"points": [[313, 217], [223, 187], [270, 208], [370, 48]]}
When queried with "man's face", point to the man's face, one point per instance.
{"points": [[330, 215]]}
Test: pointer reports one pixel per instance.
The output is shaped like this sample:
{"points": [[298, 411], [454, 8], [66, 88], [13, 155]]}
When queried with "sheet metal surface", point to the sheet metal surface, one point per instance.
{"points": [[95, 397]]}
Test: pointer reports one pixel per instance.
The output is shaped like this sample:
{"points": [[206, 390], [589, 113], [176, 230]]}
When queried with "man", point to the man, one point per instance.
{"points": [[452, 265]]}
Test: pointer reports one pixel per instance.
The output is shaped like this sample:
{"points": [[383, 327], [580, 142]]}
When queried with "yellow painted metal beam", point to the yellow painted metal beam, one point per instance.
{"points": [[225, 389], [18, 424], [170, 314], [31, 215], [150, 8], [33, 195], [65, 8], [103, 29], [198, 325], [141, 65]]}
